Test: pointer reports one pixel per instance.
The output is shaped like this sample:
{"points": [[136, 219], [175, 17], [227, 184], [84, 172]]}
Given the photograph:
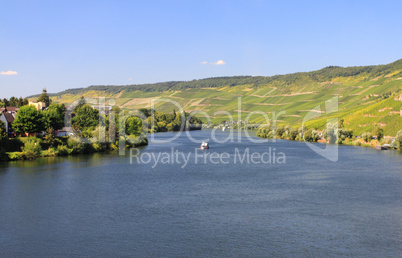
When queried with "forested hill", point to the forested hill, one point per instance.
{"points": [[286, 81], [368, 96]]}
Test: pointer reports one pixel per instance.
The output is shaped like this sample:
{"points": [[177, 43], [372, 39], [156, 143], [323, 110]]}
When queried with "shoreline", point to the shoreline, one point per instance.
{"points": [[344, 143], [92, 148], [87, 148]]}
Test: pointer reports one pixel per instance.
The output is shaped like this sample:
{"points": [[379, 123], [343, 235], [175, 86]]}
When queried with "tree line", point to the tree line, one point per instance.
{"points": [[335, 133]]}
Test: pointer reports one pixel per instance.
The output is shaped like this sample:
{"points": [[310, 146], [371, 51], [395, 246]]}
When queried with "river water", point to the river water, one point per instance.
{"points": [[234, 199]]}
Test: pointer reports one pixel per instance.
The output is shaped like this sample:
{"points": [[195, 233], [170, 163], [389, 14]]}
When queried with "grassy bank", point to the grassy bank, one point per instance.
{"points": [[30, 148]]}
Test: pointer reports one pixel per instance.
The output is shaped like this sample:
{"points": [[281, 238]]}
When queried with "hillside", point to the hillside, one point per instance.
{"points": [[368, 96]]}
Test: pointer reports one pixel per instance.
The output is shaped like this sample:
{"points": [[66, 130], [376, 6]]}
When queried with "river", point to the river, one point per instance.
{"points": [[234, 199]]}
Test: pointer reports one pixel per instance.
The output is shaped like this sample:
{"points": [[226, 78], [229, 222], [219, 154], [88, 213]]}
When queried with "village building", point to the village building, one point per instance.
{"points": [[38, 105], [7, 116]]}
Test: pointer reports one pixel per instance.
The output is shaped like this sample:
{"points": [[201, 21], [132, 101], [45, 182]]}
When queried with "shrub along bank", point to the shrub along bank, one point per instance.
{"points": [[334, 133], [34, 147]]}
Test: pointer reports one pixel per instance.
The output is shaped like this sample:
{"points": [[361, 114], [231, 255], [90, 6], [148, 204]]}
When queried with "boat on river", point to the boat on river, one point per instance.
{"points": [[204, 145]]}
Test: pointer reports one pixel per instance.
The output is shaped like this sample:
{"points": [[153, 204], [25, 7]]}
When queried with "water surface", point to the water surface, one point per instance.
{"points": [[103, 205]]}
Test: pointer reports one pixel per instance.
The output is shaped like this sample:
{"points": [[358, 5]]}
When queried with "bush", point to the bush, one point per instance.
{"points": [[293, 134], [75, 145], [51, 152], [63, 150], [311, 135], [398, 140], [100, 147], [49, 140], [131, 141], [386, 140], [344, 134], [78, 147], [32, 148], [3, 140], [16, 155], [367, 137], [87, 132], [348, 142], [280, 132], [113, 147]]}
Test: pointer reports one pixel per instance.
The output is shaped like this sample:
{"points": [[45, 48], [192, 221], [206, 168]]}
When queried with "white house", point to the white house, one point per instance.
{"points": [[8, 119]]}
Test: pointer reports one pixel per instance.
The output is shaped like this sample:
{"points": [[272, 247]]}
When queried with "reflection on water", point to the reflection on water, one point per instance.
{"points": [[100, 204]]}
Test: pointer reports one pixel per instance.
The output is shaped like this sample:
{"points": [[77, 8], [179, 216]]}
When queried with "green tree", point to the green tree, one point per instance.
{"points": [[293, 134], [379, 132], [112, 122], [14, 102], [54, 116], [133, 126], [311, 135], [331, 133], [29, 120], [3, 140], [398, 140], [80, 103], [280, 131], [44, 97], [22, 102], [145, 111], [3, 132], [366, 137], [161, 127], [5, 102], [86, 117], [177, 122], [49, 140]]}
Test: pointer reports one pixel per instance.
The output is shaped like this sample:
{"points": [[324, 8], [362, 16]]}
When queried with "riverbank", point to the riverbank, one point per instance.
{"points": [[30, 148], [375, 144]]}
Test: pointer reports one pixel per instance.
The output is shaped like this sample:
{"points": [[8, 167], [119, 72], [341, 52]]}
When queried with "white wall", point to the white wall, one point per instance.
{"points": [[3, 118]]}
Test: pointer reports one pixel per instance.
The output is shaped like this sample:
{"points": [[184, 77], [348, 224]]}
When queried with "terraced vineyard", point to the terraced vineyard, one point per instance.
{"points": [[367, 97]]}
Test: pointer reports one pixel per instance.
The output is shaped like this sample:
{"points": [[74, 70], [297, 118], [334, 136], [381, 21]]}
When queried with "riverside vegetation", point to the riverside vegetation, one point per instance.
{"points": [[87, 122], [335, 133]]}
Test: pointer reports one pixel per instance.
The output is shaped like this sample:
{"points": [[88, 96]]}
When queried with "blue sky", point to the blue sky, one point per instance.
{"points": [[69, 44]]}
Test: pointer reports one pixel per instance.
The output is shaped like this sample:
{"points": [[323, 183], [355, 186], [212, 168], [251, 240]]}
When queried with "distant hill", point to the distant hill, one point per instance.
{"points": [[368, 96]]}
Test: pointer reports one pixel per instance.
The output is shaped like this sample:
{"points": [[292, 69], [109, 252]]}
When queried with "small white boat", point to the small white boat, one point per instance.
{"points": [[224, 129], [204, 145]]}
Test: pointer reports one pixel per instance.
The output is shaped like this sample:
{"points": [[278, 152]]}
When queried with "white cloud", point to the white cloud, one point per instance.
{"points": [[130, 79], [219, 62], [8, 73]]}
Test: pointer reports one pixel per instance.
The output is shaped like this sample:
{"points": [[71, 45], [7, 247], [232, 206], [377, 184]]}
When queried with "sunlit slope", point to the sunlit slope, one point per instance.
{"points": [[367, 96]]}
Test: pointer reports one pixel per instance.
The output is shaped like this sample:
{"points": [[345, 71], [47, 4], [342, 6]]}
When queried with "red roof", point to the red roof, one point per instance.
{"points": [[9, 118], [10, 109]]}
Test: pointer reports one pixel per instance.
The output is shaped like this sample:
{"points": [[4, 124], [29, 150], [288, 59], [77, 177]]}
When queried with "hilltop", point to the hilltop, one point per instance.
{"points": [[368, 96]]}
